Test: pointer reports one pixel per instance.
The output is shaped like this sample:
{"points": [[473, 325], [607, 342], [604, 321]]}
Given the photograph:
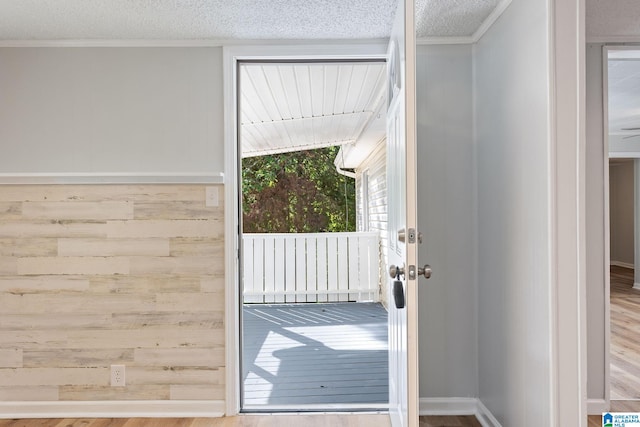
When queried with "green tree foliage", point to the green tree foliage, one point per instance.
{"points": [[298, 192]]}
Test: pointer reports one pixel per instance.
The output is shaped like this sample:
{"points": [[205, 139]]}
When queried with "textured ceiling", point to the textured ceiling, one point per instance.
{"points": [[618, 18], [230, 19], [268, 19], [451, 18]]}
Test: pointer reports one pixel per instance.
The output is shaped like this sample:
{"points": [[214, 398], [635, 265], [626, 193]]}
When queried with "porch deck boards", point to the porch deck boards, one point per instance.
{"points": [[311, 354]]}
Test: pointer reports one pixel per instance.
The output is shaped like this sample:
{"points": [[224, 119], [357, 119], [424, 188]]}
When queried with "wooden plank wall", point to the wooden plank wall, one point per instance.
{"points": [[92, 276]]}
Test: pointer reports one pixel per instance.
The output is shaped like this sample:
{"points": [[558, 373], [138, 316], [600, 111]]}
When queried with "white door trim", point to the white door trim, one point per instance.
{"points": [[231, 56], [607, 227], [567, 213]]}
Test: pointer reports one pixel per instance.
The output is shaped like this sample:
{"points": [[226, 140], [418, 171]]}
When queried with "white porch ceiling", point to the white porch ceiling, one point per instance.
{"points": [[293, 107]]}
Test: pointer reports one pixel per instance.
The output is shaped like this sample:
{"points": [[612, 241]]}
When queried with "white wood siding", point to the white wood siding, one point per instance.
{"points": [[375, 165]]}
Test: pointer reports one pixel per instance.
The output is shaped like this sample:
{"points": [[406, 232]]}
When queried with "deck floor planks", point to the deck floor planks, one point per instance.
{"points": [[334, 353]]}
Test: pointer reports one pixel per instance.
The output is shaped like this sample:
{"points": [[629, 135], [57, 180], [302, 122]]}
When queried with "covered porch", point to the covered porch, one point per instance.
{"points": [[315, 333]]}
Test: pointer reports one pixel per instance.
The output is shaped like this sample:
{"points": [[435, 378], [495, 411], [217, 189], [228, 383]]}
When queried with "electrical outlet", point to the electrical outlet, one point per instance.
{"points": [[117, 376]]}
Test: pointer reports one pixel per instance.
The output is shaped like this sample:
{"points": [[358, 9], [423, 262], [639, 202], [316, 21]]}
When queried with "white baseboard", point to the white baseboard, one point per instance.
{"points": [[448, 406], [596, 406], [114, 409], [485, 417], [622, 264], [458, 406]]}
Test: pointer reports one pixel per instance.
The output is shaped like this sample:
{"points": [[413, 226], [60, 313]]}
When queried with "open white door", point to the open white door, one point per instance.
{"points": [[401, 191]]}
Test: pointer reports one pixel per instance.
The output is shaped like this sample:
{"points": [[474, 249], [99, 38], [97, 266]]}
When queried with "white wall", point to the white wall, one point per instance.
{"points": [[621, 207], [111, 110], [512, 137], [446, 214]]}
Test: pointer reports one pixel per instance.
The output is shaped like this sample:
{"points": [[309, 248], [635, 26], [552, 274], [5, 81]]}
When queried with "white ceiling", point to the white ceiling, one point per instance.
{"points": [[624, 96], [291, 107], [231, 19], [613, 18]]}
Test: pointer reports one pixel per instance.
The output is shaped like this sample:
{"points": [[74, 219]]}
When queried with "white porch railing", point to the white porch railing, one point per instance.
{"points": [[319, 267]]}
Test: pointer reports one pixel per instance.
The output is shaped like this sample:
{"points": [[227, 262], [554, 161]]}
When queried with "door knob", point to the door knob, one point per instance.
{"points": [[425, 271], [395, 271]]}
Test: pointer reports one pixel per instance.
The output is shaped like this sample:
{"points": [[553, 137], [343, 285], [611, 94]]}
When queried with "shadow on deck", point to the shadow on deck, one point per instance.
{"points": [[315, 354]]}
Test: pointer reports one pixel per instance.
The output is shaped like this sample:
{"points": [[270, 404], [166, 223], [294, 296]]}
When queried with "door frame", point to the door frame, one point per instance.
{"points": [[607, 220], [231, 56]]}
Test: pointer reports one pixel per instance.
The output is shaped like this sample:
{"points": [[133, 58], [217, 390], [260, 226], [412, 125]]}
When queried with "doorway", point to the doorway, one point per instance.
{"points": [[313, 326], [624, 293], [622, 102]]}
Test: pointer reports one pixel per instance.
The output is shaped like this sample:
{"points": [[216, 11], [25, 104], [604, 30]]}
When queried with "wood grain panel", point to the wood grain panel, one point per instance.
{"points": [[164, 228], [170, 337], [11, 358], [95, 275], [190, 302], [47, 321], [100, 193], [173, 265], [131, 392], [8, 265], [76, 303], [176, 210], [53, 228], [143, 284], [197, 247], [72, 265], [41, 284], [113, 247], [53, 376], [197, 392], [173, 375], [23, 393], [28, 247], [196, 357], [78, 210], [69, 358], [10, 210]]}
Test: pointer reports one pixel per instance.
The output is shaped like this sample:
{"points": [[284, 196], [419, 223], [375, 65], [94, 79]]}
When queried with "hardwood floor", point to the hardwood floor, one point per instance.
{"points": [[625, 344], [364, 420], [625, 336], [459, 421]]}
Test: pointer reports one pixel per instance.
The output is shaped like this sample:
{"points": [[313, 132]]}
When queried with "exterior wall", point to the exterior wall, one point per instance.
{"points": [[97, 275], [376, 167]]}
